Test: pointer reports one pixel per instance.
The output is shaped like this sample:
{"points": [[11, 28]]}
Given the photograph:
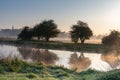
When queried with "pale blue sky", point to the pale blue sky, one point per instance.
{"points": [[101, 15]]}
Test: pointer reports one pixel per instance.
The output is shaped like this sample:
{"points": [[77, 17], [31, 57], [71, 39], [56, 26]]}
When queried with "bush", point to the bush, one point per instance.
{"points": [[112, 39]]}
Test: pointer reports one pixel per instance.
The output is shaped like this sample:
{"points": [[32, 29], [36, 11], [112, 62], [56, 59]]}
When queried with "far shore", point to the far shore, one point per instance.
{"points": [[59, 45]]}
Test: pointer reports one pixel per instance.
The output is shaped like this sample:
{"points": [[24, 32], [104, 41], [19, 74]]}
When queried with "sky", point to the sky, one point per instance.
{"points": [[101, 15]]}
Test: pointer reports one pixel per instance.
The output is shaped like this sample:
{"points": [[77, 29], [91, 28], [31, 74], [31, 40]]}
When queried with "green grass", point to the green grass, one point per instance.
{"points": [[38, 71]]}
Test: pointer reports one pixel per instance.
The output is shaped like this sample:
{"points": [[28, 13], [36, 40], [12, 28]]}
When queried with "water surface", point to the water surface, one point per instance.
{"points": [[72, 60]]}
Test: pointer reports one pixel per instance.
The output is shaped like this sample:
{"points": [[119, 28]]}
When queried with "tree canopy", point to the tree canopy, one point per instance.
{"points": [[37, 31], [80, 31], [46, 29], [112, 39], [49, 29], [26, 34]]}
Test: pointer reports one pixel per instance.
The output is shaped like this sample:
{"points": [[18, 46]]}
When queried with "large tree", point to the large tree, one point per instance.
{"points": [[47, 29], [37, 31], [26, 34], [80, 31], [112, 39]]}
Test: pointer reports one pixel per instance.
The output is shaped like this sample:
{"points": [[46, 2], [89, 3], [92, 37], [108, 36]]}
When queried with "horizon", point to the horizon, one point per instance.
{"points": [[101, 15]]}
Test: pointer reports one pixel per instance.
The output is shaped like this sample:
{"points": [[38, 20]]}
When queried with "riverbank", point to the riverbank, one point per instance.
{"points": [[14, 69], [98, 48]]}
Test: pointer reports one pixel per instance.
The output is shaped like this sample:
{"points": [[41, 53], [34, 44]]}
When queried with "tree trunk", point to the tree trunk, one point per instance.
{"points": [[47, 39], [82, 41], [82, 56], [38, 37]]}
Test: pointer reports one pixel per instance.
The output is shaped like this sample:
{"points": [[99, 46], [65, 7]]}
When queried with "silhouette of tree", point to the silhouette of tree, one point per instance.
{"points": [[112, 39], [37, 31], [49, 29], [46, 29], [26, 34], [80, 31]]}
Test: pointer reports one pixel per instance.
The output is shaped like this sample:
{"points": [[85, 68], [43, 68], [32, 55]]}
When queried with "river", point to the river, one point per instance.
{"points": [[69, 59]]}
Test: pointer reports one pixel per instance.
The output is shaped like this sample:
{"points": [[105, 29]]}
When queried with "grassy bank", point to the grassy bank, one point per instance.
{"points": [[99, 48], [14, 69]]}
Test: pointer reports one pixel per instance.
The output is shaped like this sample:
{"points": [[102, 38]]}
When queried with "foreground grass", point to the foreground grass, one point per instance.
{"points": [[99, 48], [14, 69]]}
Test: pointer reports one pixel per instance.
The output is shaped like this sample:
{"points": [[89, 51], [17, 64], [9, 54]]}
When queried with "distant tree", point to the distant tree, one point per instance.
{"points": [[26, 34], [74, 37], [80, 31], [37, 31], [112, 39], [48, 29]]}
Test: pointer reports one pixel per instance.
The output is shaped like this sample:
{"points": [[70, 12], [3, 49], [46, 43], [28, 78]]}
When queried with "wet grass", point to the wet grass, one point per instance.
{"points": [[38, 71]]}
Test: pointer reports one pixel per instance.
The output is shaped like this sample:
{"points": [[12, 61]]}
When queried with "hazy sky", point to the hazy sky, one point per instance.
{"points": [[101, 15]]}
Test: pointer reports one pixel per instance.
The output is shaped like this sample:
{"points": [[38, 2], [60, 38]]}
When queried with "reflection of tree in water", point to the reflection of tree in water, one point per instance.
{"points": [[112, 58], [44, 56], [79, 62], [25, 51], [39, 55]]}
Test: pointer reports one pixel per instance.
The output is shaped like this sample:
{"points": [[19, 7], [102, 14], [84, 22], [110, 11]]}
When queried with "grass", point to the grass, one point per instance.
{"points": [[99, 48], [38, 71]]}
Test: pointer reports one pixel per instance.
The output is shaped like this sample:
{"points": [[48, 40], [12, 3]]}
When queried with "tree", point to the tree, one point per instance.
{"points": [[37, 31], [25, 34], [48, 29], [112, 39], [80, 31], [74, 36]]}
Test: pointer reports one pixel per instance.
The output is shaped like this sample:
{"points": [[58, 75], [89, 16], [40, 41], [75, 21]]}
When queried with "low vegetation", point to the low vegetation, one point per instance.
{"points": [[38, 71]]}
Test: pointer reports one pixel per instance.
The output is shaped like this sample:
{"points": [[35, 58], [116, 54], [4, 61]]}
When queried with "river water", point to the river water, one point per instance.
{"points": [[69, 59]]}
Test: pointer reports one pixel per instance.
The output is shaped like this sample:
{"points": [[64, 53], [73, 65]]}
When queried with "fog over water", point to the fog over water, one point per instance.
{"points": [[72, 60]]}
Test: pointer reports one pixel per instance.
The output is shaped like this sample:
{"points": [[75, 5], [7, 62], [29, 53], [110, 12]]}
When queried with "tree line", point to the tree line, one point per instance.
{"points": [[47, 29], [44, 31]]}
